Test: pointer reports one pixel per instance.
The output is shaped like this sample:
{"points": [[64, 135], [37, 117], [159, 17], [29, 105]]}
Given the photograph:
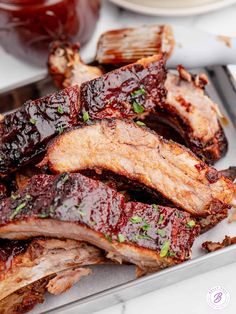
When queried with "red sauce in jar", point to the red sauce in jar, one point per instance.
{"points": [[27, 27]]}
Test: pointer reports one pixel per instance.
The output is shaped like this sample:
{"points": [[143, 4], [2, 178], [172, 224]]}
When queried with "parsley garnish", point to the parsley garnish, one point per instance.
{"points": [[60, 129], [86, 116], [171, 253], [135, 219], [161, 218], [155, 207], [138, 108], [146, 226], [140, 123], [165, 248], [60, 109], [65, 177], [108, 237], [190, 223], [33, 121], [121, 237], [43, 215], [17, 210], [143, 237], [138, 92], [161, 232]]}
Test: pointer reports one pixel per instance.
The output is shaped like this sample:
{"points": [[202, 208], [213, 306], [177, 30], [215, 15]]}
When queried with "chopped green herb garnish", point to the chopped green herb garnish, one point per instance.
{"points": [[140, 123], [135, 219], [155, 207], [60, 109], [161, 218], [138, 92], [60, 129], [86, 116], [33, 121], [179, 214], [121, 237], [138, 108], [17, 210], [143, 237], [161, 232], [43, 215], [146, 226], [165, 248], [65, 178], [171, 253], [191, 223], [108, 237]]}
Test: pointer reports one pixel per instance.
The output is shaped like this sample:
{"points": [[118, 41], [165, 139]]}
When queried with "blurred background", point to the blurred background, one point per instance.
{"points": [[27, 27]]}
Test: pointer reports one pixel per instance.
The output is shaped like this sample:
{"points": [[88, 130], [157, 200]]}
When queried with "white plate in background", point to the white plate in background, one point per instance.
{"points": [[173, 7]]}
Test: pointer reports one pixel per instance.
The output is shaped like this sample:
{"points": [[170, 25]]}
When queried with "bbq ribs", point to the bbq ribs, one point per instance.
{"points": [[141, 155], [74, 206]]}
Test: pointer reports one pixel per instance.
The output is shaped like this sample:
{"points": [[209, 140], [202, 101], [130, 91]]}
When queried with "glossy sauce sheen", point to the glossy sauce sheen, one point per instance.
{"points": [[76, 198], [108, 96], [25, 132], [111, 95]]}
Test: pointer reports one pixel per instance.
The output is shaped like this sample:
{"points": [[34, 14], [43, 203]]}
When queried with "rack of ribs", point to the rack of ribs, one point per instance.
{"points": [[76, 207], [140, 154]]}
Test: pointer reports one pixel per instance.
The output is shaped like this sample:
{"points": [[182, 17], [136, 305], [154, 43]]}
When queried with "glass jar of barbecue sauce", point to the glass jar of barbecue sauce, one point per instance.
{"points": [[27, 27]]}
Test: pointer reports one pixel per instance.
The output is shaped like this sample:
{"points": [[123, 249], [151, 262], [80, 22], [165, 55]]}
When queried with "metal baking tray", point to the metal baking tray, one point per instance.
{"points": [[111, 284]]}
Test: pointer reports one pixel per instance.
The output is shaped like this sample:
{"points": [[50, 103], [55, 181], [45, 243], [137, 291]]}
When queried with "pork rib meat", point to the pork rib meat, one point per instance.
{"points": [[77, 207], [141, 155]]}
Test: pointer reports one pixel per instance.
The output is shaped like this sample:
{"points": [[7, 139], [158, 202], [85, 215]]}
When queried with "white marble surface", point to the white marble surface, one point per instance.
{"points": [[189, 296]]}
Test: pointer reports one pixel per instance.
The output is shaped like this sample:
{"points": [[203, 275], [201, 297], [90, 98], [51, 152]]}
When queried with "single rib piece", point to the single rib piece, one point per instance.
{"points": [[127, 92], [194, 115], [123, 46], [25, 262], [210, 246], [77, 207], [25, 132], [141, 155]]}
